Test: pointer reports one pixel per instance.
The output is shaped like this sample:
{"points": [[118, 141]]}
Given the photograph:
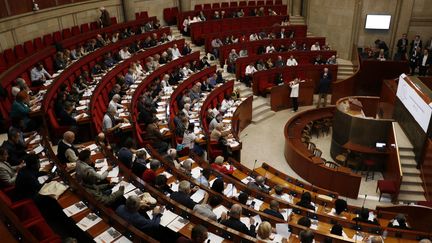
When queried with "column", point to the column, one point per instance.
{"points": [[185, 5], [296, 7], [129, 9]]}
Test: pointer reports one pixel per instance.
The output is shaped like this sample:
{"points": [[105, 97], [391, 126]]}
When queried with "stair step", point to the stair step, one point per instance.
{"points": [[259, 102], [410, 171], [406, 149], [262, 117], [260, 110], [414, 189], [406, 197], [406, 153], [246, 93], [411, 179], [408, 163]]}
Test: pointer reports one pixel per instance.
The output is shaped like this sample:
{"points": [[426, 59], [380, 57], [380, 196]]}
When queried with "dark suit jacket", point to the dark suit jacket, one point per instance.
{"points": [[324, 83], [239, 226], [183, 199], [27, 184], [306, 205], [16, 152], [274, 213], [428, 60]]}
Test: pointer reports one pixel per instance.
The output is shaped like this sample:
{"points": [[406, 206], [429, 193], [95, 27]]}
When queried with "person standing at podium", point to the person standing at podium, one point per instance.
{"points": [[294, 85], [324, 87]]}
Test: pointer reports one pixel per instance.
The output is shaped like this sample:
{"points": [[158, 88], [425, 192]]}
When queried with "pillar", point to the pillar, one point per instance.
{"points": [[129, 9]]}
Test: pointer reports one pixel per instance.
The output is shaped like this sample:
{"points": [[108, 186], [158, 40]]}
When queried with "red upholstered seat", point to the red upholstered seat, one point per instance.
{"points": [[48, 40], [28, 47], [225, 5], [251, 3], [387, 186], [38, 44], [10, 56], [269, 2], [278, 2], [233, 4], [19, 52], [85, 28], [207, 6], [67, 33], [198, 7], [242, 3], [94, 25], [75, 30], [57, 37], [113, 20], [144, 15]]}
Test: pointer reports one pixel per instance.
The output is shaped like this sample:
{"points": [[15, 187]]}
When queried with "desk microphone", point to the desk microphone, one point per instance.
{"points": [[253, 169], [364, 200]]}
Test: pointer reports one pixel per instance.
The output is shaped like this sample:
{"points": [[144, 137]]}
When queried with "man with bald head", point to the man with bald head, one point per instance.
{"points": [[258, 184], [67, 153], [234, 221]]}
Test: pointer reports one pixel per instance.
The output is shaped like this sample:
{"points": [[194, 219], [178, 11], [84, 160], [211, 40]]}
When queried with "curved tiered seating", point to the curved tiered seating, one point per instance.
{"points": [[99, 101], [252, 46], [22, 69], [208, 12], [302, 57], [70, 74], [198, 29], [144, 86], [299, 31]]}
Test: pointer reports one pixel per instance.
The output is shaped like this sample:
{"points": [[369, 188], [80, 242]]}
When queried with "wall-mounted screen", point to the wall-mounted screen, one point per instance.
{"points": [[378, 22], [414, 103]]}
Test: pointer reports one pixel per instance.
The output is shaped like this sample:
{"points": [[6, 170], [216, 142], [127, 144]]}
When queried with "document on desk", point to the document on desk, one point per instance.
{"points": [[283, 230], [38, 149], [74, 209], [137, 192], [246, 220], [247, 180], [99, 163], [88, 221], [214, 238], [174, 186], [165, 173], [167, 217], [286, 212], [114, 172], [123, 239], [92, 146], [128, 187], [177, 224], [108, 235], [219, 210], [42, 179], [196, 172], [198, 196]]}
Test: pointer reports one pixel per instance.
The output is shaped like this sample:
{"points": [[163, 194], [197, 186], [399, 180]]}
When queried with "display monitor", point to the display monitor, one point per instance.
{"points": [[378, 22]]}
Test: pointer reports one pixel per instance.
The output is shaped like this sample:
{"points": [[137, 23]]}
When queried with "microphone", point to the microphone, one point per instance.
{"points": [[253, 169], [364, 200]]}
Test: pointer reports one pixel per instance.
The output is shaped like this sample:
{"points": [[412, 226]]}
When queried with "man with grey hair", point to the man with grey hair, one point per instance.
{"points": [[258, 184], [376, 239], [114, 103], [234, 221], [129, 212], [425, 241], [110, 121], [182, 196], [171, 157]]}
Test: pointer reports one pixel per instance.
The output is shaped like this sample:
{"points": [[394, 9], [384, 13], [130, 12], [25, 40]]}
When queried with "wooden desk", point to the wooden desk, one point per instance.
{"points": [[280, 96], [299, 157]]}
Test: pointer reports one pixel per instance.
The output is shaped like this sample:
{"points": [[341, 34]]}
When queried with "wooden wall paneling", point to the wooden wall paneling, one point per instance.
{"points": [[426, 169], [19, 7]]}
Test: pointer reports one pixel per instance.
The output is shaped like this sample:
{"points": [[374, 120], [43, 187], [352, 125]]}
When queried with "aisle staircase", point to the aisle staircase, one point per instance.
{"points": [[411, 189]]}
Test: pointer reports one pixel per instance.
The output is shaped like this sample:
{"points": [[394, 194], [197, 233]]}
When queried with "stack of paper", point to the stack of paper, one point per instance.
{"points": [[177, 224], [283, 230], [198, 196], [88, 221], [219, 210], [108, 235], [114, 172], [74, 209]]}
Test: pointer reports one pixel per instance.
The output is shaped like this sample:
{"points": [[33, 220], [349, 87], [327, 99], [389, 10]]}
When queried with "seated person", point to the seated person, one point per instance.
{"points": [[161, 184], [218, 186], [67, 152], [227, 103], [218, 165], [337, 230], [182, 196], [20, 110], [8, 173], [149, 175], [27, 184], [15, 150], [102, 192], [204, 177], [274, 210], [218, 134], [38, 75], [291, 61], [306, 201], [340, 207], [156, 137], [258, 184], [233, 221], [124, 53], [332, 60], [199, 234], [306, 236], [65, 116], [264, 233], [304, 221], [85, 167], [190, 140], [206, 210], [126, 153], [129, 212], [398, 222], [111, 123], [364, 216]]}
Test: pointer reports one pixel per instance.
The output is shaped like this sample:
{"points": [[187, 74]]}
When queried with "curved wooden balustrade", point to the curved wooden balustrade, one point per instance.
{"points": [[310, 168], [302, 57]]}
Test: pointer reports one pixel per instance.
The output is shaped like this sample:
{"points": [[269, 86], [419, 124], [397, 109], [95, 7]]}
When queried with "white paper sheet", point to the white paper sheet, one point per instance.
{"points": [[88, 221], [198, 196], [114, 172], [108, 235], [74, 209], [177, 224], [283, 230]]}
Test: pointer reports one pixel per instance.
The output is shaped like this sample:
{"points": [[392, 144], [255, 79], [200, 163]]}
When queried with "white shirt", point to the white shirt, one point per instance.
{"points": [[124, 54], [315, 47], [176, 53], [185, 25], [294, 90], [114, 105], [226, 104], [425, 57], [189, 139], [253, 37], [250, 70], [291, 62], [270, 49]]}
